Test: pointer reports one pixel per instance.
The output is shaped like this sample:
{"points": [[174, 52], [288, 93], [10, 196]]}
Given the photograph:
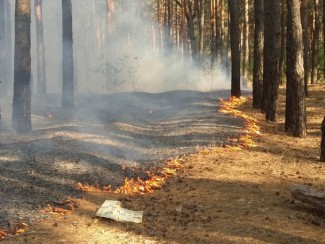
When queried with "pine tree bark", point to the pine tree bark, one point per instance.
{"points": [[283, 38], [9, 54], [3, 49], [233, 6], [67, 55], [184, 31], [41, 77], [295, 114], [324, 33], [245, 50], [218, 21], [272, 44], [213, 45], [201, 28], [21, 107], [258, 54], [224, 35], [315, 43], [305, 35], [191, 30]]}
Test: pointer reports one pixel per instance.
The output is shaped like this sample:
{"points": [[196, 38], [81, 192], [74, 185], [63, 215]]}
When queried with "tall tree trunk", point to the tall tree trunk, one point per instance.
{"points": [[67, 55], [283, 38], [305, 35], [169, 23], [201, 28], [21, 107], [245, 50], [9, 54], [191, 31], [224, 35], [233, 6], [217, 30], [41, 78], [324, 33], [258, 54], [272, 44], [315, 43], [184, 32], [213, 33], [3, 49], [167, 26], [295, 114], [176, 27]]}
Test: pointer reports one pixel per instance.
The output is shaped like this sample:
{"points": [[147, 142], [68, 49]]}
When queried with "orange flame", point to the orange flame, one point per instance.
{"points": [[17, 230], [66, 207], [140, 186], [56, 210], [251, 127]]}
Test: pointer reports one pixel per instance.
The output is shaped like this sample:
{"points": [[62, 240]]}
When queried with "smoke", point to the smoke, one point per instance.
{"points": [[126, 51]]}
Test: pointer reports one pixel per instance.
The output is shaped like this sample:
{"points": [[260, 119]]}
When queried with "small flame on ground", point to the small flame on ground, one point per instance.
{"points": [[251, 127], [56, 210], [18, 230], [139, 186], [66, 207]]}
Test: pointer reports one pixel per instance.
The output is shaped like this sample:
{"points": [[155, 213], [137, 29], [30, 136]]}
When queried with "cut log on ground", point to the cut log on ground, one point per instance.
{"points": [[309, 195]]}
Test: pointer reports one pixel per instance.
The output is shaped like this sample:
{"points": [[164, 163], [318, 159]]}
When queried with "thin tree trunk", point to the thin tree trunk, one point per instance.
{"points": [[213, 33], [21, 107], [245, 50], [41, 77], [315, 44], [67, 55], [201, 28], [190, 23], [283, 38], [324, 33], [184, 33], [9, 54], [176, 27], [272, 43], [305, 35], [295, 114], [224, 35], [233, 6], [169, 23], [159, 39], [3, 49], [258, 54], [217, 26]]}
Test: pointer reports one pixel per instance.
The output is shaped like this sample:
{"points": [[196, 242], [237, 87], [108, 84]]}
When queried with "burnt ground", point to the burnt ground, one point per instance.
{"points": [[91, 142]]}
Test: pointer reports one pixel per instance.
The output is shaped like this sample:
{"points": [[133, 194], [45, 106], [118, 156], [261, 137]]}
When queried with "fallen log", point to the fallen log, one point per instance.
{"points": [[309, 195]]}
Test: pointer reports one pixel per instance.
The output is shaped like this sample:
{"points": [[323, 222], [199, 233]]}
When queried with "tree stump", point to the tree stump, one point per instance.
{"points": [[322, 145], [309, 195]]}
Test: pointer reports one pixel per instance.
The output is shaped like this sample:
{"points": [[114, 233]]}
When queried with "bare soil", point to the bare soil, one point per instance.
{"points": [[219, 196]]}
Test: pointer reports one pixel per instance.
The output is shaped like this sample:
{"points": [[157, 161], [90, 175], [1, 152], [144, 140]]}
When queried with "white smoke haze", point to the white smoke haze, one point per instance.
{"points": [[103, 60]]}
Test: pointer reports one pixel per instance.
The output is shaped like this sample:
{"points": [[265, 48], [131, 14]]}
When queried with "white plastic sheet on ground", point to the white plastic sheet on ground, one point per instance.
{"points": [[113, 210]]}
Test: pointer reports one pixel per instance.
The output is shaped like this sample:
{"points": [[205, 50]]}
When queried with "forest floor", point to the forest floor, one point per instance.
{"points": [[220, 195]]}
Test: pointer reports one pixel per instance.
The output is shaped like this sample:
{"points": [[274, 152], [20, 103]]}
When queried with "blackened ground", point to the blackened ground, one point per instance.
{"points": [[89, 143]]}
